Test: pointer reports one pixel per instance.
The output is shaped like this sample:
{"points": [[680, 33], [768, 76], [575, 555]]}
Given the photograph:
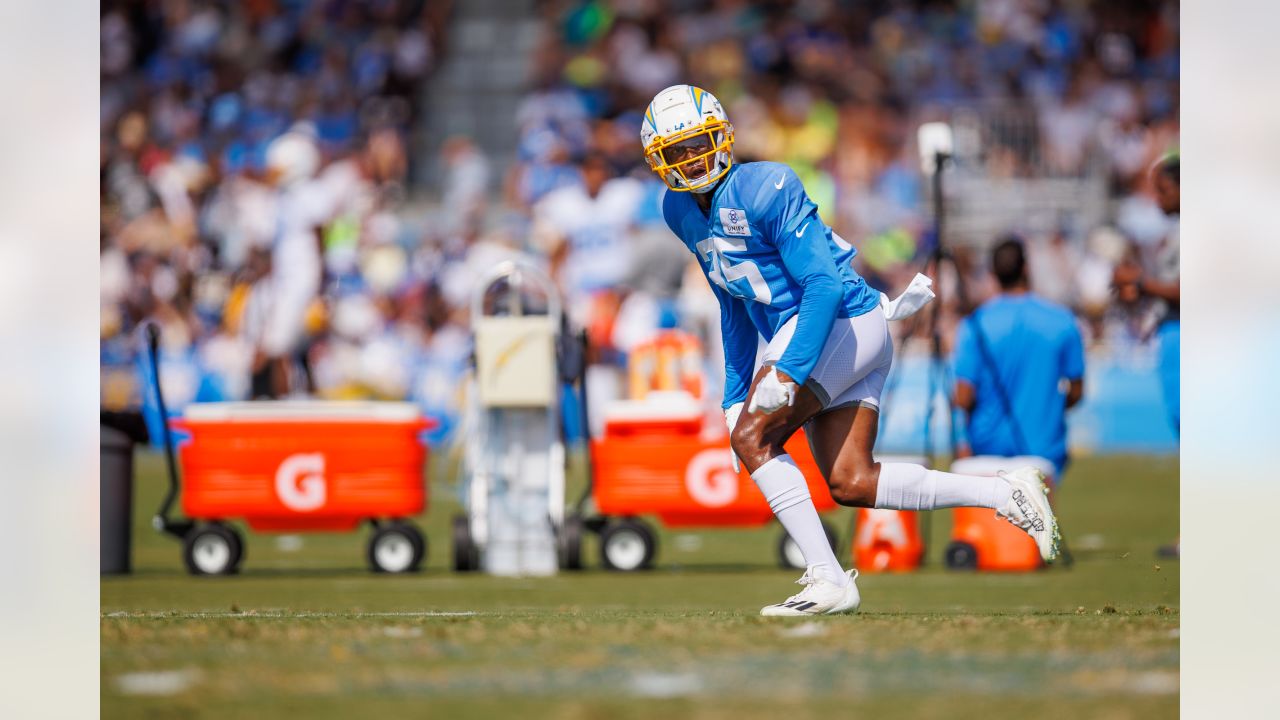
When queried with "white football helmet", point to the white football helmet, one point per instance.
{"points": [[687, 138]]}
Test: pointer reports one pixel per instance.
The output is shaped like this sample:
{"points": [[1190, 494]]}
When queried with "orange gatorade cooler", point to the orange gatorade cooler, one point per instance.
{"points": [[304, 466], [655, 458], [982, 541]]}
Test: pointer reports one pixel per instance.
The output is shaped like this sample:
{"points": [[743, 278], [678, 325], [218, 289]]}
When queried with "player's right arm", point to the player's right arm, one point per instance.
{"points": [[789, 222], [740, 344]]}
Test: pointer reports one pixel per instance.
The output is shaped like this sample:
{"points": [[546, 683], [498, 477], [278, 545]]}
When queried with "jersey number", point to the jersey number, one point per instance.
{"points": [[723, 272]]}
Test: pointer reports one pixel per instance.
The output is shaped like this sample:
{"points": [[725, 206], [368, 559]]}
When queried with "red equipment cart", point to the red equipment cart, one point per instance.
{"points": [[299, 466]]}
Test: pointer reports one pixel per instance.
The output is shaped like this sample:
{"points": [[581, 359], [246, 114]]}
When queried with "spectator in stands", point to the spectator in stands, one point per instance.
{"points": [[1013, 357], [193, 93]]}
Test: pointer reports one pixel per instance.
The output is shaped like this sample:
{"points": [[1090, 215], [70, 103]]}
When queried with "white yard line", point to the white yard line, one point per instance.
{"points": [[277, 615]]}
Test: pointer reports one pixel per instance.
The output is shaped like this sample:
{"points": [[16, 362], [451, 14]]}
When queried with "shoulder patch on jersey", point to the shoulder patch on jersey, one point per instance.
{"points": [[734, 222]]}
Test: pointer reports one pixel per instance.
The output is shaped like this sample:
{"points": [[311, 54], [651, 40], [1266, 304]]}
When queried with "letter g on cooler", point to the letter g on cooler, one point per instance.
{"points": [[710, 479], [300, 482]]}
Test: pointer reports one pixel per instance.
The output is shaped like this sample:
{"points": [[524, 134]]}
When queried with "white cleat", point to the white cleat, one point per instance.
{"points": [[1029, 509], [819, 597]]}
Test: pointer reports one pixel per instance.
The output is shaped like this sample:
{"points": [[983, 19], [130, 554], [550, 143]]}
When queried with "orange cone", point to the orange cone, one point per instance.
{"points": [[887, 540]]}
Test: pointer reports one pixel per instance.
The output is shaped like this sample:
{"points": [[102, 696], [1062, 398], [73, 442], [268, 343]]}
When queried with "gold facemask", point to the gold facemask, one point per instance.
{"points": [[690, 155]]}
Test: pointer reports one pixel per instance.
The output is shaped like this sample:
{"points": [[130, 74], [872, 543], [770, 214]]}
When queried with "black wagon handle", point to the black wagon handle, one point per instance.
{"points": [[161, 520]]}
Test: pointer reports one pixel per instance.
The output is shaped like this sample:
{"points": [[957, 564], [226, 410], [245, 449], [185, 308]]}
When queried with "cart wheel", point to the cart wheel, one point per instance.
{"points": [[961, 555], [419, 540], [396, 548], [570, 543], [239, 547], [789, 555], [627, 545], [212, 549], [466, 556]]}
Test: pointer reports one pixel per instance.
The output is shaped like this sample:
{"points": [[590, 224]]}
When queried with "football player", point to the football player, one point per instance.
{"points": [[781, 273]]}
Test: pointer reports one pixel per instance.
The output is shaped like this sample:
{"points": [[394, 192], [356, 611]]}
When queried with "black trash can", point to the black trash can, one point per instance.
{"points": [[116, 486]]}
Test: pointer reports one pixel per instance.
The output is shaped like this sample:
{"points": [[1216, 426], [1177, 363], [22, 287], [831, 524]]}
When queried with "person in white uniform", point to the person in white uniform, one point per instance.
{"points": [[296, 265], [586, 231]]}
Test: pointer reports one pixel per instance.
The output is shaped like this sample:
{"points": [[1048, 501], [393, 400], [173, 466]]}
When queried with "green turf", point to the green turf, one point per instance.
{"points": [[308, 631]]}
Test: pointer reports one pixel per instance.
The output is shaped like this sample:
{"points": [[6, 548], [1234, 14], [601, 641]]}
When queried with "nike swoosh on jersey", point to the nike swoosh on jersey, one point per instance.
{"points": [[800, 232], [781, 180]]}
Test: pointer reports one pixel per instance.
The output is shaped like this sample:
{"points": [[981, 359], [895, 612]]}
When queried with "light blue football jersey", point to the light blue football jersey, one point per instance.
{"points": [[768, 256]]}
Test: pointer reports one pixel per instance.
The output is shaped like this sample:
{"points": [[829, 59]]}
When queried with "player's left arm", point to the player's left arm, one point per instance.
{"points": [[800, 237], [546, 234], [964, 361]]}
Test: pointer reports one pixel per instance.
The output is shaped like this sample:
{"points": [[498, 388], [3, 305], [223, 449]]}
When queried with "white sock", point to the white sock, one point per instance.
{"points": [[904, 486], [784, 487]]}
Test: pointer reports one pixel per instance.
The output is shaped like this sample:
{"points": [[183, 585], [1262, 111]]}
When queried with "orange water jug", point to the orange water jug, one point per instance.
{"points": [[982, 541], [669, 361]]}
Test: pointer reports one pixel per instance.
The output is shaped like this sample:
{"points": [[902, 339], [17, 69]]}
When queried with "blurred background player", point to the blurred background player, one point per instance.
{"points": [[585, 230], [780, 273], [1163, 286], [293, 283], [1013, 356]]}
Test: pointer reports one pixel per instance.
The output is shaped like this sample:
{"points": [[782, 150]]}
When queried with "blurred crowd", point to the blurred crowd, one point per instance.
{"points": [[254, 167], [1072, 89], [258, 156]]}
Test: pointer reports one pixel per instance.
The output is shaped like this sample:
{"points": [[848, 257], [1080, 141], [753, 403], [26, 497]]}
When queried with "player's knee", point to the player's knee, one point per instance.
{"points": [[745, 440], [751, 443], [855, 487]]}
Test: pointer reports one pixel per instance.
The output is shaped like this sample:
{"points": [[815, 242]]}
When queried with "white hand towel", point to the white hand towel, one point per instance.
{"points": [[917, 295]]}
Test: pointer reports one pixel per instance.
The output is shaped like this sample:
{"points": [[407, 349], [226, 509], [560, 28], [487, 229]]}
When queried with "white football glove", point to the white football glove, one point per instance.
{"points": [[772, 394], [731, 415]]}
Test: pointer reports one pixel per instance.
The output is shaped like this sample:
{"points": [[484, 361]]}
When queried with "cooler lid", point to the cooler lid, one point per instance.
{"points": [[656, 407], [303, 410]]}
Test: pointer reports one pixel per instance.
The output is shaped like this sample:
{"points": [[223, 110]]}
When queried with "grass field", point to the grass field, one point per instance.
{"points": [[306, 631]]}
